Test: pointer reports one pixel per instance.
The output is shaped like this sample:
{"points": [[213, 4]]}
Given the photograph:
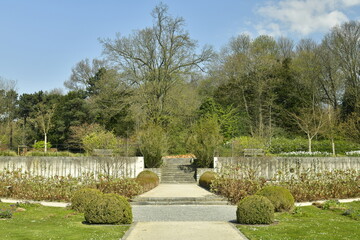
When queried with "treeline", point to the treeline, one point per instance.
{"points": [[155, 87]]}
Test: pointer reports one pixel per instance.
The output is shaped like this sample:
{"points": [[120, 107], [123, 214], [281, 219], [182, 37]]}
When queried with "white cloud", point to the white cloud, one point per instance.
{"points": [[302, 16]]}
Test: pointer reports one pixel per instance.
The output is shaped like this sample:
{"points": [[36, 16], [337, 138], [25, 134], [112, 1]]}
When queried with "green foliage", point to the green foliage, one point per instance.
{"points": [[204, 140], [280, 197], [206, 179], [147, 180], [82, 198], [8, 153], [227, 117], [100, 139], [5, 213], [153, 145], [39, 145], [53, 154], [245, 142], [108, 209], [126, 187], [283, 145], [255, 210]]}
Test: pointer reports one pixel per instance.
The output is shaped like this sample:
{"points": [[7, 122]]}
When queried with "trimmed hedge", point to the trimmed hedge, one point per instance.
{"points": [[147, 180], [280, 197], [206, 179], [82, 198], [255, 209], [108, 209]]}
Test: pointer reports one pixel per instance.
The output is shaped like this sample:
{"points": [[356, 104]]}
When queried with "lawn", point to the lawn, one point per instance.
{"points": [[308, 223], [39, 222]]}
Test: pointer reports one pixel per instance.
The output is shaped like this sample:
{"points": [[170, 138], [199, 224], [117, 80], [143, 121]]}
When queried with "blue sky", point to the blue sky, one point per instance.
{"points": [[41, 40]]}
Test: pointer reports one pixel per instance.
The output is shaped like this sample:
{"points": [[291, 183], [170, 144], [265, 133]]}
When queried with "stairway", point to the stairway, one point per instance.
{"points": [[178, 170], [207, 200]]}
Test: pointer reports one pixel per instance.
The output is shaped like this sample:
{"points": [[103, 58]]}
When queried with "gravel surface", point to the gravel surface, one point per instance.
{"points": [[184, 213]]}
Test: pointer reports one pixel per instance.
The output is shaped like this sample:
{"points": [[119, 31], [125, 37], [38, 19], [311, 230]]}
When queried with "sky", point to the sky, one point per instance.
{"points": [[41, 40]]}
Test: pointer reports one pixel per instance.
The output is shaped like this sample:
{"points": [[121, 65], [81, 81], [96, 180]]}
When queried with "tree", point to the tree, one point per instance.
{"points": [[82, 72], [155, 59], [344, 43], [43, 121], [310, 121]]}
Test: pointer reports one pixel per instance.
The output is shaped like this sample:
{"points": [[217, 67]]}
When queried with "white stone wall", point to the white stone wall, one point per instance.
{"points": [[75, 166], [268, 167]]}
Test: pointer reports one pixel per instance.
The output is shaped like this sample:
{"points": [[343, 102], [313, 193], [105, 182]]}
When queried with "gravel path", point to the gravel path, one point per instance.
{"points": [[184, 213]]}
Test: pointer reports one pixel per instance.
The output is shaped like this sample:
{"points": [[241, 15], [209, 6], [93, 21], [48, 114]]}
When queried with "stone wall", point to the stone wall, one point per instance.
{"points": [[75, 166], [268, 167]]}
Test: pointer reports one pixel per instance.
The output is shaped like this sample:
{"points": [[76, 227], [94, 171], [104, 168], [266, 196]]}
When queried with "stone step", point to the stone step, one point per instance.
{"points": [[179, 201]]}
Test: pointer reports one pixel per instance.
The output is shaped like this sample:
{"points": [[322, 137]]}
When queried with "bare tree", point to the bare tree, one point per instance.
{"points": [[310, 121], [82, 72], [156, 58]]}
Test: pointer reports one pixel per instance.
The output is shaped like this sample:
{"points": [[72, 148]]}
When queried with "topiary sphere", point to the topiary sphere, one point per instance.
{"points": [[109, 209], [82, 197], [280, 197], [148, 180], [206, 179], [255, 209]]}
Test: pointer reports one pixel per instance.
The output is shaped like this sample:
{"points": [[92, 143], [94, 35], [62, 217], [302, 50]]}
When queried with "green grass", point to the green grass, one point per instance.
{"points": [[39, 222], [308, 223]]}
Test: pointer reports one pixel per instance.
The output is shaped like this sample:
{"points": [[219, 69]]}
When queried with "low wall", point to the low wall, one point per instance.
{"points": [[268, 167], [75, 166]]}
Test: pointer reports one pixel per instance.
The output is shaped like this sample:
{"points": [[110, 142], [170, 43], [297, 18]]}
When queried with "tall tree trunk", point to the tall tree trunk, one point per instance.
{"points": [[333, 146], [45, 142]]}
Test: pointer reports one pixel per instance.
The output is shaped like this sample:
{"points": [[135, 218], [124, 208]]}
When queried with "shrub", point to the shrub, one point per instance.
{"points": [[8, 153], [19, 185], [5, 213], [255, 209], [126, 187], [147, 180], [311, 185], [153, 145], [204, 140], [206, 179], [108, 209], [100, 139], [82, 198], [236, 182], [39, 145], [280, 197]]}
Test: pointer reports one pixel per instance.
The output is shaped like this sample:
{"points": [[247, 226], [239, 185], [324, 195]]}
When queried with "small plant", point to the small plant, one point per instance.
{"points": [[280, 197], [206, 179], [147, 180], [108, 209], [255, 210], [40, 145], [332, 204], [82, 198], [352, 213], [6, 213]]}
